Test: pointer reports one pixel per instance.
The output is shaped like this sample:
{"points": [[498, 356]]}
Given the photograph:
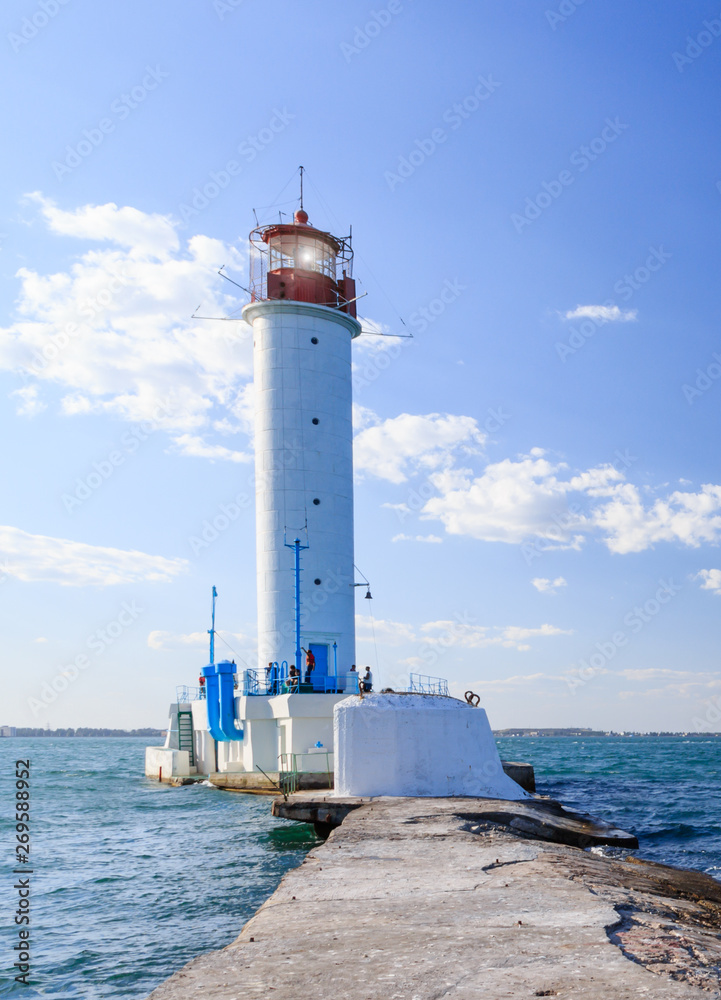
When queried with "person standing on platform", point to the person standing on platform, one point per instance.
{"points": [[309, 664], [368, 681]]}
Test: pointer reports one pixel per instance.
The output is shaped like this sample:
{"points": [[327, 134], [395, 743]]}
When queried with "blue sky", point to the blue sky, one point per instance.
{"points": [[538, 506]]}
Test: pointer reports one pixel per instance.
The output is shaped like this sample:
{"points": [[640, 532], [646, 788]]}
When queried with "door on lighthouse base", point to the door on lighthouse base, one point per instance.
{"points": [[320, 671]]}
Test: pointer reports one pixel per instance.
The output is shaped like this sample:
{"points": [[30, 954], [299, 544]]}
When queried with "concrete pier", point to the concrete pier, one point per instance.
{"points": [[268, 784], [423, 899]]}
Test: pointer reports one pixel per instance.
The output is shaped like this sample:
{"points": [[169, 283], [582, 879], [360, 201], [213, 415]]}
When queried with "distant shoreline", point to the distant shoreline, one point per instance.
{"points": [[83, 732], [586, 733]]}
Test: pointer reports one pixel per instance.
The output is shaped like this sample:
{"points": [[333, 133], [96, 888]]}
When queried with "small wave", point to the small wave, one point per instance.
{"points": [[606, 851], [679, 831]]}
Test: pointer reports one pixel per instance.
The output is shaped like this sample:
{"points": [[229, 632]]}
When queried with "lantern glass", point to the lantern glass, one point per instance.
{"points": [[301, 252]]}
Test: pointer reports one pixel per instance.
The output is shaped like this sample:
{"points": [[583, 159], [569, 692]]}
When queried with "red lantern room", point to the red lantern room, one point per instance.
{"points": [[297, 262]]}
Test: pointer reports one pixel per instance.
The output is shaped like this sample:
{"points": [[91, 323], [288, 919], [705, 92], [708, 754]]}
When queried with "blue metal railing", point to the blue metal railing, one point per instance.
{"points": [[422, 684], [277, 680], [351, 683], [184, 694], [250, 683]]}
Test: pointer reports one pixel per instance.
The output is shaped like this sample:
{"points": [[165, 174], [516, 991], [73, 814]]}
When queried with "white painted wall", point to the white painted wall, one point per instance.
{"points": [[174, 763], [417, 745], [171, 739], [297, 462], [305, 719], [230, 756]]}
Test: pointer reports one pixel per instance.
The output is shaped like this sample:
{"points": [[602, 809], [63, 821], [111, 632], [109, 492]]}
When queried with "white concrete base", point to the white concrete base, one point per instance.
{"points": [[273, 725], [164, 762], [417, 745]]}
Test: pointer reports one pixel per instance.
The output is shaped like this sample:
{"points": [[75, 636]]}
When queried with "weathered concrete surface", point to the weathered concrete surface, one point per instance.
{"points": [[256, 782], [540, 818], [405, 902], [522, 774]]}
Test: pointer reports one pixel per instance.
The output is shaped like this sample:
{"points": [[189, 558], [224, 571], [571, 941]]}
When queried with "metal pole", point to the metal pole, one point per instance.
{"points": [[212, 629], [335, 658], [297, 547], [298, 666]]}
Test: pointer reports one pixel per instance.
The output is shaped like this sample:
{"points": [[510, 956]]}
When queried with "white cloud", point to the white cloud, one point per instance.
{"points": [[664, 673], [445, 634], [154, 235], [515, 500], [395, 448], [535, 499], [433, 539], [545, 586], [113, 331], [449, 633], [376, 336], [711, 580], [389, 632], [502, 685], [607, 314], [688, 518], [41, 559], [188, 640], [30, 404], [363, 417], [197, 447], [700, 686]]}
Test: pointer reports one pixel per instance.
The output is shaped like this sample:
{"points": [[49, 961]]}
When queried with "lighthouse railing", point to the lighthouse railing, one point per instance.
{"points": [[185, 694], [277, 680], [423, 684]]}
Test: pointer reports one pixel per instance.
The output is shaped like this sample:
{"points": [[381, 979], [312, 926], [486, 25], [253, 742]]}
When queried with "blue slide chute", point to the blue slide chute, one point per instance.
{"points": [[220, 699]]}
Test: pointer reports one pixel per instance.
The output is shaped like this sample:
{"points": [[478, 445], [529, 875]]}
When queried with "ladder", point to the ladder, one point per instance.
{"points": [[185, 734]]}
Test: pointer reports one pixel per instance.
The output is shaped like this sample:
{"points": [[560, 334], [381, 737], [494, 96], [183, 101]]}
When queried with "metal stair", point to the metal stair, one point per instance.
{"points": [[185, 734]]}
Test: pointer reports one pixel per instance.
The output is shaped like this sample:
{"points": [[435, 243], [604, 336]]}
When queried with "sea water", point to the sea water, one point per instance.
{"points": [[132, 878], [665, 790]]}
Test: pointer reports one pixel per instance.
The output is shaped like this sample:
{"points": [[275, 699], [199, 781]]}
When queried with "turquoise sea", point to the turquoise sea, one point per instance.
{"points": [[132, 878]]}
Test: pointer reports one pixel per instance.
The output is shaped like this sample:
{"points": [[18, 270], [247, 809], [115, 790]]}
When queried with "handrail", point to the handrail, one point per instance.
{"points": [[276, 679], [289, 771], [185, 694], [423, 684]]}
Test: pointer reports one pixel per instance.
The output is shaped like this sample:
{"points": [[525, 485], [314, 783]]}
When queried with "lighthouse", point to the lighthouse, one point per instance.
{"points": [[280, 724], [303, 316]]}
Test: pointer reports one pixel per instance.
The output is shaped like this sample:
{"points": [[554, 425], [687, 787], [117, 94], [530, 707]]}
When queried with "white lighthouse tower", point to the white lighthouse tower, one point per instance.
{"points": [[271, 727], [252, 727], [303, 317]]}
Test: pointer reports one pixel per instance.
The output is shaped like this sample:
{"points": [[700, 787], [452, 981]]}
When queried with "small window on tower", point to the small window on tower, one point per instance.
{"points": [[316, 420], [314, 340], [316, 501]]}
